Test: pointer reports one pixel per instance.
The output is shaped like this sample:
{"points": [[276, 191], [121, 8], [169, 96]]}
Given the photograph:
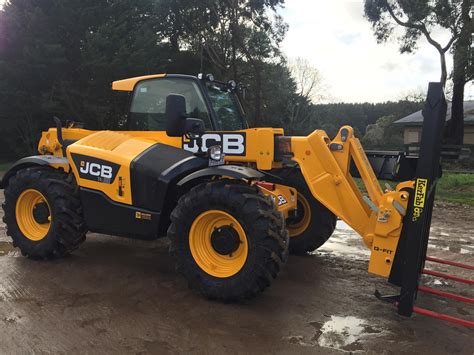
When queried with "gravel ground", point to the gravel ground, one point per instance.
{"points": [[116, 295]]}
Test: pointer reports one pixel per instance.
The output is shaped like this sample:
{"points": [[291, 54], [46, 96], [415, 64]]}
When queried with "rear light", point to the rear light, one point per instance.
{"points": [[266, 185]]}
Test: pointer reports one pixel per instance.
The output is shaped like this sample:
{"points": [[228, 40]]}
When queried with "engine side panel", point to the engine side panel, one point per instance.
{"points": [[102, 162], [155, 168], [127, 182], [102, 215]]}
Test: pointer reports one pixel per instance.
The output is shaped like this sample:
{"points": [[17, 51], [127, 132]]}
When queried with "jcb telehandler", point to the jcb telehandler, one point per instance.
{"points": [[233, 200]]}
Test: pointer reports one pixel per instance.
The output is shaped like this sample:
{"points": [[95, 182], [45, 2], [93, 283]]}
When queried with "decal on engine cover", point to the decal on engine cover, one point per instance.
{"points": [[95, 169], [232, 143], [282, 200]]}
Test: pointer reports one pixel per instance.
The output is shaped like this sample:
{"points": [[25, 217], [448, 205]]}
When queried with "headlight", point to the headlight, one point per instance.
{"points": [[232, 85], [210, 77], [215, 152]]}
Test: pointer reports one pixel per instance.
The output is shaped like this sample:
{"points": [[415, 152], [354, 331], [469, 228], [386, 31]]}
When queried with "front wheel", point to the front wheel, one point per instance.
{"points": [[43, 213], [228, 240]]}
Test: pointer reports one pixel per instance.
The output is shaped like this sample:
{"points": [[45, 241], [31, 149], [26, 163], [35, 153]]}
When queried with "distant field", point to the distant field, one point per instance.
{"points": [[456, 188]]}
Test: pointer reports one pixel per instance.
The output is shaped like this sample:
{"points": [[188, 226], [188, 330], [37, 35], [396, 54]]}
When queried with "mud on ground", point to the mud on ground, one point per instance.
{"points": [[116, 295]]}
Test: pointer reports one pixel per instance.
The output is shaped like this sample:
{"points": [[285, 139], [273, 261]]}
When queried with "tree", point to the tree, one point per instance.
{"points": [[59, 57], [462, 73], [39, 64], [309, 82], [419, 18], [383, 134], [310, 90], [237, 38]]}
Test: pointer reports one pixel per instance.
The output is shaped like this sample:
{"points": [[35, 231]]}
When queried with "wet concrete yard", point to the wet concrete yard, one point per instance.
{"points": [[116, 295]]}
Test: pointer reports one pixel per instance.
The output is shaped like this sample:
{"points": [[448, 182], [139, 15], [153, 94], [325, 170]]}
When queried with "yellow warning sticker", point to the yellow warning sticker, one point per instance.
{"points": [[143, 215], [420, 193]]}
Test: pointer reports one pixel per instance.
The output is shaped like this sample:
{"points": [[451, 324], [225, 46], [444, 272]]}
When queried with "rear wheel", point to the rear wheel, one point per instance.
{"points": [[43, 213], [314, 223], [228, 240]]}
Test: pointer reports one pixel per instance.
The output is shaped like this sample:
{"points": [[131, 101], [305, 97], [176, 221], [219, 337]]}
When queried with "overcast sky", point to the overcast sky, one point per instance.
{"points": [[337, 40]]}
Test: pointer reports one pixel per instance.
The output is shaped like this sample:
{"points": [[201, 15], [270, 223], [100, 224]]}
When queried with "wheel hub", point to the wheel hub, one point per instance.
{"points": [[225, 240], [33, 214], [297, 225], [41, 213], [218, 243]]}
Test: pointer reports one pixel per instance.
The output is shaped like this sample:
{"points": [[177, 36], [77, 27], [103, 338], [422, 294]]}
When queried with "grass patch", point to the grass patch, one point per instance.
{"points": [[458, 188]]}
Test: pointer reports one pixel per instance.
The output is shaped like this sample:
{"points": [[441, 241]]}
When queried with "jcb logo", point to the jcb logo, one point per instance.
{"points": [[282, 200], [95, 169], [232, 143], [104, 171]]}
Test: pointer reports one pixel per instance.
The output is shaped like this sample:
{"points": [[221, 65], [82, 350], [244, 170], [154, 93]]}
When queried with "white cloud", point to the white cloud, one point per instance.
{"points": [[336, 38]]}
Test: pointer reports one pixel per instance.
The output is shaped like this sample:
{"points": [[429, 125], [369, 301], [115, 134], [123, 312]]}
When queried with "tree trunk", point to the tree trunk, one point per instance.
{"points": [[258, 96], [444, 72], [455, 127]]}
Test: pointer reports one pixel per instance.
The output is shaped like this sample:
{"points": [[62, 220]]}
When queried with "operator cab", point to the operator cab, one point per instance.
{"points": [[215, 103]]}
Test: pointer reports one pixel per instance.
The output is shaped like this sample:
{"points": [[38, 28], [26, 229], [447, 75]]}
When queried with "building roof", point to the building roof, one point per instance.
{"points": [[416, 118]]}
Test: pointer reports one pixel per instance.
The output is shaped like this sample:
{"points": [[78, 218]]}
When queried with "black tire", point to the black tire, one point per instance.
{"points": [[322, 222], [67, 229], [265, 233]]}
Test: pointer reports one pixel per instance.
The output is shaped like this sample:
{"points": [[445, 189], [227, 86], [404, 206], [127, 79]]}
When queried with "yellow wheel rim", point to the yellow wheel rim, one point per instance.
{"points": [[203, 251], [25, 219], [297, 228]]}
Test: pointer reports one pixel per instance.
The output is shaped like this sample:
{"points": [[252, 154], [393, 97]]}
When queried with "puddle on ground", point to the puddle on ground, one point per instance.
{"points": [[7, 249], [345, 242], [342, 333], [339, 333]]}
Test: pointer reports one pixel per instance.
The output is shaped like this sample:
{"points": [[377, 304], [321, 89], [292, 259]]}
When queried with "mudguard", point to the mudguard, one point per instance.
{"points": [[34, 160], [234, 171]]}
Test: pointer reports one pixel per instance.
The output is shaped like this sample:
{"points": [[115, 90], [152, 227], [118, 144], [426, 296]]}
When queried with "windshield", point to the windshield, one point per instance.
{"points": [[148, 108], [224, 103]]}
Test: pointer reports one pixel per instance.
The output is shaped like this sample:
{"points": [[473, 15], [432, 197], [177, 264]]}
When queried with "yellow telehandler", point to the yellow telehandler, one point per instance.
{"points": [[232, 200]]}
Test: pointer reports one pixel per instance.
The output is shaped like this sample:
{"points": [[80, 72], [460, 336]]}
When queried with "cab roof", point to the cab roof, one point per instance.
{"points": [[129, 84]]}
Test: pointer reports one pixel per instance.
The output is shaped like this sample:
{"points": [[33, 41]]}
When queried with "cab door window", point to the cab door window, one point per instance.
{"points": [[147, 111]]}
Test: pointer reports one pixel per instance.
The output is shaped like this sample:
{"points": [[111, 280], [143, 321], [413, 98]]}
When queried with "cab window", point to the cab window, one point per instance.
{"points": [[147, 111], [224, 103]]}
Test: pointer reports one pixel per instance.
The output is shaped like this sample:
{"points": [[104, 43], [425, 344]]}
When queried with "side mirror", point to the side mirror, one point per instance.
{"points": [[175, 115], [177, 124]]}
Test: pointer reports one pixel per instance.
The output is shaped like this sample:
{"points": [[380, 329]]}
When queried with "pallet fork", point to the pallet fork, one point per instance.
{"points": [[409, 262]]}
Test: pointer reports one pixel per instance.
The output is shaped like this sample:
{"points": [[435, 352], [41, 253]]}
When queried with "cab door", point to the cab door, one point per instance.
{"points": [[147, 116]]}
